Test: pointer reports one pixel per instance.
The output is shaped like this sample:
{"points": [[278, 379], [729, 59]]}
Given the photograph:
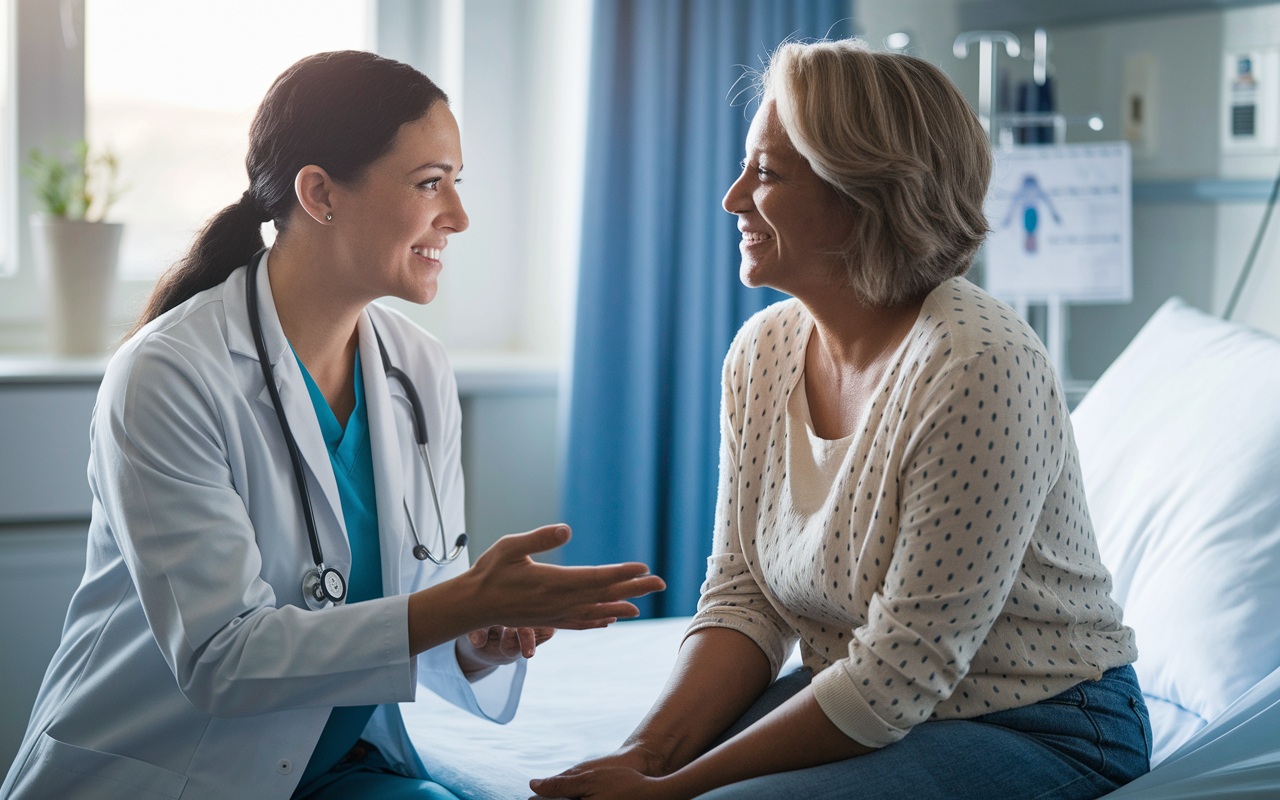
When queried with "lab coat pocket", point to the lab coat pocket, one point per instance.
{"points": [[58, 769]]}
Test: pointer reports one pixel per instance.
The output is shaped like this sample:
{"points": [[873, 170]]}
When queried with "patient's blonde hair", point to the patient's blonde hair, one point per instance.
{"points": [[895, 138]]}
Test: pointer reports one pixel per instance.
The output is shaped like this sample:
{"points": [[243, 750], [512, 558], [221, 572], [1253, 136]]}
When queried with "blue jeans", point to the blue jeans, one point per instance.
{"points": [[1088, 741], [364, 773]]}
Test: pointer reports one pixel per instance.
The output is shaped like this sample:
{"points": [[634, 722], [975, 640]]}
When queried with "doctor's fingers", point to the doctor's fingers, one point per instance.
{"points": [[595, 615], [531, 637], [613, 581], [626, 588], [605, 601], [540, 540], [483, 636], [508, 642], [512, 643], [526, 642]]}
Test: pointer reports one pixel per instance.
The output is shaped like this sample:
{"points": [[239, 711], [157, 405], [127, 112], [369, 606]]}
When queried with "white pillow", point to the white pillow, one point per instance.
{"points": [[1180, 448]]}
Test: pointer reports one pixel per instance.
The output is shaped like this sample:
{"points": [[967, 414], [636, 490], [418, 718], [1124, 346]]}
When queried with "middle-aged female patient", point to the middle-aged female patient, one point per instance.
{"points": [[899, 490], [277, 488]]}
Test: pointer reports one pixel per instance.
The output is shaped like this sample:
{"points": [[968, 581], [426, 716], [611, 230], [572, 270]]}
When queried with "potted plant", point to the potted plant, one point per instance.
{"points": [[76, 251]]}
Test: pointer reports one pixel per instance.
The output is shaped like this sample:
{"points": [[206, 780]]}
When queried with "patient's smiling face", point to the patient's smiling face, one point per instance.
{"points": [[792, 222]]}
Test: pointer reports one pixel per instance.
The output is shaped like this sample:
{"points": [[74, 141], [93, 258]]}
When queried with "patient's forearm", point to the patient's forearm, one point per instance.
{"points": [[717, 677], [796, 735]]}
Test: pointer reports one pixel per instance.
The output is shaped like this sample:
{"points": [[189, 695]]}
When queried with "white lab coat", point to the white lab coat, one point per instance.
{"points": [[190, 665]]}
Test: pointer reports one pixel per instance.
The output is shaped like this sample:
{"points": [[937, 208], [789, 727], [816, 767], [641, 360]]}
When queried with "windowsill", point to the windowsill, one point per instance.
{"points": [[477, 372], [504, 373], [23, 330], [20, 369]]}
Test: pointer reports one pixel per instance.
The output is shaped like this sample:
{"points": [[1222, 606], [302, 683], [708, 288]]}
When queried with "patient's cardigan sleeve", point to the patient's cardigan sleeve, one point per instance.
{"points": [[731, 597]]}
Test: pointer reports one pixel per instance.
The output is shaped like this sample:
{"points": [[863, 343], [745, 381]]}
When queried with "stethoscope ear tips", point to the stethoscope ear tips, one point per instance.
{"points": [[420, 552]]}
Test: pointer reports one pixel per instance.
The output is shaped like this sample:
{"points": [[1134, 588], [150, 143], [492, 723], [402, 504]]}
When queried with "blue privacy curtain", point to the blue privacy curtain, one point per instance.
{"points": [[659, 298]]}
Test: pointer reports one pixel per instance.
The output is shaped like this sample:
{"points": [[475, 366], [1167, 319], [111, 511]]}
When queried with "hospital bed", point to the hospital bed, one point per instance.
{"points": [[1180, 443]]}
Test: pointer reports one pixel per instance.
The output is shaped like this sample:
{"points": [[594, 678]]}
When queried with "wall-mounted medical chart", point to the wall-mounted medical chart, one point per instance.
{"points": [[1061, 224]]}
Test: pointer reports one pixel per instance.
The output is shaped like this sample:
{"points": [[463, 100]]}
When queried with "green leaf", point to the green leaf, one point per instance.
{"points": [[70, 188]]}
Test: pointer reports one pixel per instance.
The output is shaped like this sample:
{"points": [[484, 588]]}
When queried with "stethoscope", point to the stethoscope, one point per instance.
{"points": [[322, 585]]}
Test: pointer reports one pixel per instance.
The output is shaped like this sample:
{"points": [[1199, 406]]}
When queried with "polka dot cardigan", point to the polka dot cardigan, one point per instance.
{"points": [[950, 570]]}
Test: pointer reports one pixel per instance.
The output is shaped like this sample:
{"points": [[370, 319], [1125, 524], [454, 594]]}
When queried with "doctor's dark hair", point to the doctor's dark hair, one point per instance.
{"points": [[339, 111]]}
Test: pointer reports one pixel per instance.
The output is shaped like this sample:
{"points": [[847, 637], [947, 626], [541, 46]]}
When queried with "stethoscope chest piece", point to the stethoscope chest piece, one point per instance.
{"points": [[323, 586]]}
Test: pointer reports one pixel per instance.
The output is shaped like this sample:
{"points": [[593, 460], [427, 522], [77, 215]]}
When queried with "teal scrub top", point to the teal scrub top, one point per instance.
{"points": [[351, 455]]}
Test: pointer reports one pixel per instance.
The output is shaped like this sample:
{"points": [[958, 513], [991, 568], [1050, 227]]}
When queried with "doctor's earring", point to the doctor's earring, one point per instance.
{"points": [[328, 217]]}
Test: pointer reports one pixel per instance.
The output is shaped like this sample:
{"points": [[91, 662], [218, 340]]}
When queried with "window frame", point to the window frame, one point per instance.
{"points": [[46, 87]]}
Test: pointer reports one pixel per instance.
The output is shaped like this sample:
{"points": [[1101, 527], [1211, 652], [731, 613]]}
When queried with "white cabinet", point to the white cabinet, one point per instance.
{"points": [[45, 407], [40, 567]]}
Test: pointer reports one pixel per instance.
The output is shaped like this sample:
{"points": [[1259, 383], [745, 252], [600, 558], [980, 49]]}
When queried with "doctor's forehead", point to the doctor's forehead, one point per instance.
{"points": [[429, 142]]}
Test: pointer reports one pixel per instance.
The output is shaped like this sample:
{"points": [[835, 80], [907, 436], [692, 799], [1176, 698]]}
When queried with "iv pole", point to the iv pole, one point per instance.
{"points": [[999, 129], [987, 41]]}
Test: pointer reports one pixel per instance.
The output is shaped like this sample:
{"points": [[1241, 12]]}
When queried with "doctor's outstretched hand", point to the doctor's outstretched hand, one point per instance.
{"points": [[507, 589]]}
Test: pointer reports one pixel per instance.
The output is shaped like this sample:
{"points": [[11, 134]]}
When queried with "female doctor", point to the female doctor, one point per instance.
{"points": [[261, 585]]}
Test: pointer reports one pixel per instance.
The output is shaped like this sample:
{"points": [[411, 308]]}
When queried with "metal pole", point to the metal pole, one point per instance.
{"points": [[986, 83], [1058, 322], [986, 67]]}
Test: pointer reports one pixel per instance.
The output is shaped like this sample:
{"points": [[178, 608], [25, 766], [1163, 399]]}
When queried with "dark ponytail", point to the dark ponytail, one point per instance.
{"points": [[339, 111]]}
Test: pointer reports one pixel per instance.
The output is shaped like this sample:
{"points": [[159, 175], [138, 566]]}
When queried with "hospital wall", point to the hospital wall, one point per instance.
{"points": [[1195, 209], [1183, 243]]}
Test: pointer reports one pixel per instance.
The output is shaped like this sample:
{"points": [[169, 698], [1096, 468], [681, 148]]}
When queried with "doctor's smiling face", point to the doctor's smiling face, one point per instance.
{"points": [[390, 227]]}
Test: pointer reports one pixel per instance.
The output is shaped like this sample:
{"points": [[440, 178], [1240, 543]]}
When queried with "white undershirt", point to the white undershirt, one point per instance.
{"points": [[814, 469]]}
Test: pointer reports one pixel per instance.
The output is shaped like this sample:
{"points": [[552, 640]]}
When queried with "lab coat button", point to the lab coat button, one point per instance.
{"points": [[285, 766]]}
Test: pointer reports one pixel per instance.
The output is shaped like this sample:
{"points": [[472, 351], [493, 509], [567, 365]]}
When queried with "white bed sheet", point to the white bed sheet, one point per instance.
{"points": [[584, 693], [1172, 726]]}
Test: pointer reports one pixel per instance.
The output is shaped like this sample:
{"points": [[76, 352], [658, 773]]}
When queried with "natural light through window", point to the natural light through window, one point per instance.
{"points": [[171, 88]]}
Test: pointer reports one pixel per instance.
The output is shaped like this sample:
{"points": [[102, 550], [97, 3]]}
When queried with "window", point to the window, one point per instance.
{"points": [[171, 89]]}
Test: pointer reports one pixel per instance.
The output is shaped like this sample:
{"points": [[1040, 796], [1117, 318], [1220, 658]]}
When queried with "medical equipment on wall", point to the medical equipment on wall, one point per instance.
{"points": [[322, 584], [1250, 90]]}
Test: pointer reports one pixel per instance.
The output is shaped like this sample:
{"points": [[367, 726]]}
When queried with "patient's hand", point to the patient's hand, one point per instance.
{"points": [[626, 772], [604, 783], [496, 645], [629, 756]]}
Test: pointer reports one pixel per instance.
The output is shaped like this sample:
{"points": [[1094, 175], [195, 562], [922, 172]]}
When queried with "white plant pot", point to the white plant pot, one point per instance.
{"points": [[78, 261]]}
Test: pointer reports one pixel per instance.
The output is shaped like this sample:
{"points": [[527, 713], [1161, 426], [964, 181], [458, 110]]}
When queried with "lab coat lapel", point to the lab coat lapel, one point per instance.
{"points": [[296, 402], [388, 471]]}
